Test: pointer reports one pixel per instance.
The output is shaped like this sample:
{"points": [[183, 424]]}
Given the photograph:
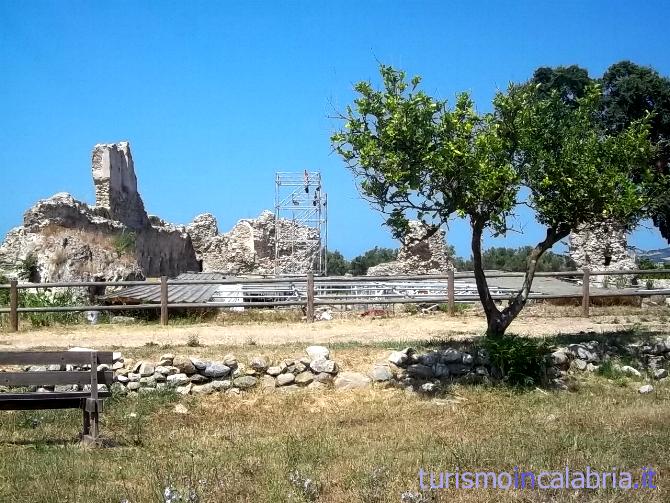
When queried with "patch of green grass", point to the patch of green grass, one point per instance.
{"points": [[60, 298], [124, 243]]}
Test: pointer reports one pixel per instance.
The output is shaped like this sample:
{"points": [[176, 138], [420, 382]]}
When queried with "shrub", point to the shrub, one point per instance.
{"points": [[522, 361], [410, 308], [193, 341], [609, 370], [29, 270], [51, 299], [4, 292], [124, 243]]}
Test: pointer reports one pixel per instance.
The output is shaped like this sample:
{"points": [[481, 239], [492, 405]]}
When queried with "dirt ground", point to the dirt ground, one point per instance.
{"points": [[533, 322]]}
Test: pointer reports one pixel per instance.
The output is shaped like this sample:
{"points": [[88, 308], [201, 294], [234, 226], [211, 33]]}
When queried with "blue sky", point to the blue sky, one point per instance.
{"points": [[217, 96]]}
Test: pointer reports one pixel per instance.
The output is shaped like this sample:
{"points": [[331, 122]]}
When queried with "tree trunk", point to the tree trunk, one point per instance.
{"points": [[490, 308], [498, 321]]}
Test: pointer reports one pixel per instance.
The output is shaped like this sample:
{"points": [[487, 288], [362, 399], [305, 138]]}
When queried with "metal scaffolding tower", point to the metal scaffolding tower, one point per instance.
{"points": [[301, 202]]}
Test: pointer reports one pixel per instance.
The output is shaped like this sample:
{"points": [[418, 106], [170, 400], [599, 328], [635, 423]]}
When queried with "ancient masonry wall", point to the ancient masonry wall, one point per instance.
{"points": [[601, 247], [116, 185], [71, 241], [418, 255]]}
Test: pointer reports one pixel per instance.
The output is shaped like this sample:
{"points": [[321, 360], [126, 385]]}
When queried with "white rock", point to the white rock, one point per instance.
{"points": [[381, 373], [285, 379], [274, 371], [398, 358], [647, 388], [352, 380], [184, 390], [328, 366], [660, 373], [318, 352], [178, 379], [180, 408], [630, 371]]}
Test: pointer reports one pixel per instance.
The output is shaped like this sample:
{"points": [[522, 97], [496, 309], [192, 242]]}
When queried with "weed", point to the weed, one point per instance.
{"points": [[29, 268], [124, 243], [521, 360], [62, 298], [193, 341]]}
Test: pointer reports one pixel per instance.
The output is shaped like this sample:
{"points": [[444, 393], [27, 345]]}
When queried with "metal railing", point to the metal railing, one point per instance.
{"points": [[309, 292]]}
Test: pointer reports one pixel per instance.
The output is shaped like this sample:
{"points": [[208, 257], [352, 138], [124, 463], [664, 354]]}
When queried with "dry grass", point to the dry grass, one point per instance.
{"points": [[357, 446], [266, 327]]}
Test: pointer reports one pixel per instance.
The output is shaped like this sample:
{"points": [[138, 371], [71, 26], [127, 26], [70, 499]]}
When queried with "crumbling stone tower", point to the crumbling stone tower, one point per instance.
{"points": [[116, 185]]}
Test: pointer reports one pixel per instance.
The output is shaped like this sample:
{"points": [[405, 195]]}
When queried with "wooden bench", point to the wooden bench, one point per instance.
{"points": [[88, 401]]}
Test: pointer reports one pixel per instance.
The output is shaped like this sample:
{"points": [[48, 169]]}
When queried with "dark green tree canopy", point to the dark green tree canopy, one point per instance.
{"points": [[337, 264], [630, 92], [569, 82]]}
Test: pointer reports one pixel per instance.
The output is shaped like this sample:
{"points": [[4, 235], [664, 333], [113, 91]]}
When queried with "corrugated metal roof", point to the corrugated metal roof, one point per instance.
{"points": [[177, 294]]}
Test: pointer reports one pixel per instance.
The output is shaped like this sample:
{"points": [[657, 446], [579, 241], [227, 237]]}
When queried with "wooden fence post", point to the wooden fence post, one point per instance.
{"points": [[310, 297], [450, 292], [13, 306], [586, 301], [164, 301]]}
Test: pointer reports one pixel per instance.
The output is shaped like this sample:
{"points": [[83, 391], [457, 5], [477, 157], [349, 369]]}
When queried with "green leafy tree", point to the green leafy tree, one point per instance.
{"points": [[630, 92], [337, 264], [359, 265], [416, 156]]}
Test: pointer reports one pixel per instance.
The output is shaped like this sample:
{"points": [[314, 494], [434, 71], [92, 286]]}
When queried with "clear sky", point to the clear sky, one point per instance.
{"points": [[217, 96]]}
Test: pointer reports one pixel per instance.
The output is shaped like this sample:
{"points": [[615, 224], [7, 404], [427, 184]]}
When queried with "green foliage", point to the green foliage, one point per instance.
{"points": [[417, 157], [61, 298], [124, 243], [576, 172], [359, 265], [521, 360], [415, 154], [410, 308], [4, 292], [646, 264], [630, 93], [28, 270], [516, 260], [337, 264]]}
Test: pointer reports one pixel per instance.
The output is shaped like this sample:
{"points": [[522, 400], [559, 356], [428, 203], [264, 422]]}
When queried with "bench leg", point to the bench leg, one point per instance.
{"points": [[91, 418], [94, 424]]}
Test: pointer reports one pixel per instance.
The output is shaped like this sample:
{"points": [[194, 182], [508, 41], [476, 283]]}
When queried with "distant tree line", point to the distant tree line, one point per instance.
{"points": [[516, 260], [499, 258], [358, 266]]}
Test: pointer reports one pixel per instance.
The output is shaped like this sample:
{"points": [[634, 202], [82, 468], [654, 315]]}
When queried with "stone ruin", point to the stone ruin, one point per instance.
{"points": [[418, 255], [116, 185], [602, 247], [116, 239], [249, 247], [110, 241]]}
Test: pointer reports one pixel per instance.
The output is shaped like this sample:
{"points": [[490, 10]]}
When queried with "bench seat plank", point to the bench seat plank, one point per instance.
{"points": [[53, 377], [53, 357], [36, 401]]}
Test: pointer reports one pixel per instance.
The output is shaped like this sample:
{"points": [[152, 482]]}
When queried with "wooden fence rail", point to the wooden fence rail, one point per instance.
{"points": [[311, 300]]}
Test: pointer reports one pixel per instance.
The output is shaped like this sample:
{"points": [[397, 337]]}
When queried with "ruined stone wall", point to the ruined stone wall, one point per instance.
{"points": [[418, 255], [113, 240], [601, 247], [249, 247], [116, 185]]}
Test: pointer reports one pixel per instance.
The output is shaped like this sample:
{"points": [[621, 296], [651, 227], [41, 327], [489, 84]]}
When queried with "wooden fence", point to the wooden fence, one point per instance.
{"points": [[311, 284]]}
